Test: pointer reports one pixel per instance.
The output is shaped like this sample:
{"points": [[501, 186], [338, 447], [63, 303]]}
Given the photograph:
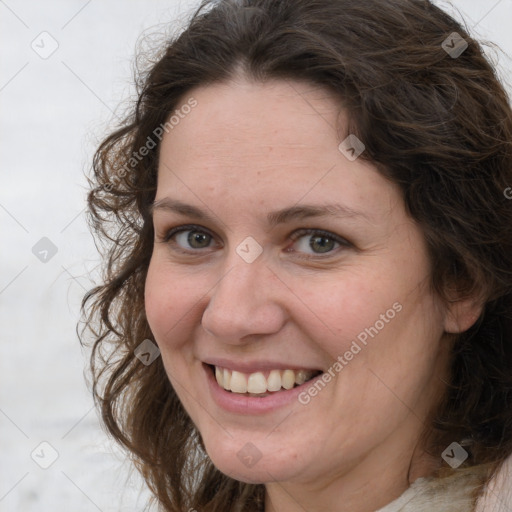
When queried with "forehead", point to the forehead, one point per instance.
{"points": [[267, 142], [253, 118]]}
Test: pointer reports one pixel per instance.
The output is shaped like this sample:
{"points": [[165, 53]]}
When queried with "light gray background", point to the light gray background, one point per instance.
{"points": [[53, 112]]}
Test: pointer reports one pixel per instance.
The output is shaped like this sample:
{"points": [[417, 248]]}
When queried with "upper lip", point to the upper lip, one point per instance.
{"points": [[255, 366]]}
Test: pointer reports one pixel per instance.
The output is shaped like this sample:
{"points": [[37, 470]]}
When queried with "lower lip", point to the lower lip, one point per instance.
{"points": [[238, 403]]}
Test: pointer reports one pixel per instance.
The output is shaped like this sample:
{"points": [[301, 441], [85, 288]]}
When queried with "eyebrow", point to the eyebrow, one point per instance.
{"points": [[274, 218]]}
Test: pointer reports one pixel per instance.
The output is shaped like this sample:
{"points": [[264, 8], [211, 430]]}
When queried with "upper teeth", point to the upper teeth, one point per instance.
{"points": [[239, 382]]}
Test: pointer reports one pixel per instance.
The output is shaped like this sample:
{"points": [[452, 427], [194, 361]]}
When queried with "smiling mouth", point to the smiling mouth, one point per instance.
{"points": [[258, 384]]}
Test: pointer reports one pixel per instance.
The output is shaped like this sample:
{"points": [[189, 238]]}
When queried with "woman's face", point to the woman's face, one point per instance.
{"points": [[254, 290]]}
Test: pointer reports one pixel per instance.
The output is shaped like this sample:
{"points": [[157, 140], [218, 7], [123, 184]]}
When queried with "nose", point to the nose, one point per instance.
{"points": [[245, 302]]}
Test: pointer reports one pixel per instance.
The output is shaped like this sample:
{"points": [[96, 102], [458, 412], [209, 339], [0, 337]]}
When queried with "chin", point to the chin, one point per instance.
{"points": [[252, 471], [234, 468]]}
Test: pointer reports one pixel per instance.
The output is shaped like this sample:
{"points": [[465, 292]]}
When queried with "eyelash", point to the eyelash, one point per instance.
{"points": [[296, 235]]}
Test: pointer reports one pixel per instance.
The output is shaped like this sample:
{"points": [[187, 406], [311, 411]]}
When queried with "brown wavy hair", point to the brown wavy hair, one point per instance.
{"points": [[437, 125]]}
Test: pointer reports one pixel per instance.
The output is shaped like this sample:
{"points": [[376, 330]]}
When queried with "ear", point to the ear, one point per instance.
{"points": [[462, 314]]}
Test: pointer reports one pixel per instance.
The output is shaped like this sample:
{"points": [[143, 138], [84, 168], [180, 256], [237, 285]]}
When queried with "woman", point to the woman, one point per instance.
{"points": [[307, 298]]}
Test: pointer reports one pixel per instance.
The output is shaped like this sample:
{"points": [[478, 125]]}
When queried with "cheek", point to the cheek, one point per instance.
{"points": [[385, 324], [337, 308], [165, 300]]}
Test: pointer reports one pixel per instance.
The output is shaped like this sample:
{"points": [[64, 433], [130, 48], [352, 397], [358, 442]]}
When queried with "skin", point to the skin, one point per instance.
{"points": [[246, 149]]}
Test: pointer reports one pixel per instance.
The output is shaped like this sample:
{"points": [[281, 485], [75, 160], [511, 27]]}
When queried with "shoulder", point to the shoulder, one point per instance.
{"points": [[497, 496]]}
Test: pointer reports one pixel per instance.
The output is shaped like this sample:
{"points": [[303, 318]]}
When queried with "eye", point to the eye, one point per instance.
{"points": [[191, 239], [317, 240], [188, 238]]}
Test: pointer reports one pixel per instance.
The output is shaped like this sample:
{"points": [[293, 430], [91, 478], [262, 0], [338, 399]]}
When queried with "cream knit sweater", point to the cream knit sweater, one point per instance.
{"points": [[456, 493]]}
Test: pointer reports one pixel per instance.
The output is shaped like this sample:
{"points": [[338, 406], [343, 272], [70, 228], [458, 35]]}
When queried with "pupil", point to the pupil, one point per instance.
{"points": [[196, 236], [324, 247]]}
